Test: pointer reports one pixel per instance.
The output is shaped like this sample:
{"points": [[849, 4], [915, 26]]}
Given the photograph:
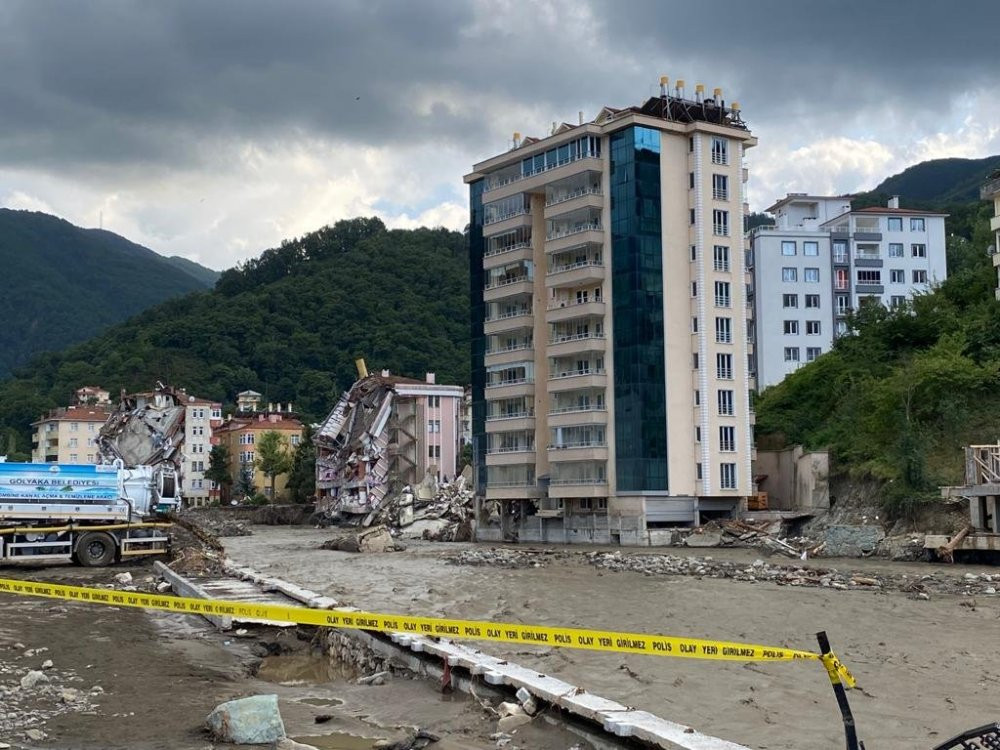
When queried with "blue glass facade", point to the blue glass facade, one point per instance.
{"points": [[478, 319], [637, 304]]}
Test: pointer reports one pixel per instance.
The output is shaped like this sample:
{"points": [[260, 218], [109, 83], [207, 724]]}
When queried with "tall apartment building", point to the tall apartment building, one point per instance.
{"points": [[201, 419], [820, 261], [240, 434], [610, 384], [68, 435], [991, 192]]}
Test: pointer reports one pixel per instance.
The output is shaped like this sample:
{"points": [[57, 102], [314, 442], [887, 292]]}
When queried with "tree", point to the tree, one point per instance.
{"points": [[302, 476], [218, 470], [272, 457]]}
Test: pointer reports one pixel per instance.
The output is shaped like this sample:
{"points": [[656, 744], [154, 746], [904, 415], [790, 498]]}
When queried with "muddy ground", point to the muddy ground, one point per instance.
{"points": [[138, 680], [928, 665]]}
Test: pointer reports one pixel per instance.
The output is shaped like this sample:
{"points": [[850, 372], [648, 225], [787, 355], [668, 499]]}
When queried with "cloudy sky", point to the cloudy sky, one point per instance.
{"points": [[215, 129]]}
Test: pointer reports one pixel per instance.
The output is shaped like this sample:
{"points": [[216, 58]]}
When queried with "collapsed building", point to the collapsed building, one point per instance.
{"points": [[385, 434]]}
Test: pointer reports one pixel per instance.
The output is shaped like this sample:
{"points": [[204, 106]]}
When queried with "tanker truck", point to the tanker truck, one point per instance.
{"points": [[92, 514]]}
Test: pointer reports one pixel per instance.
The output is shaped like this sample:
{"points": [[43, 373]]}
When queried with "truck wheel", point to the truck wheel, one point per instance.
{"points": [[96, 549]]}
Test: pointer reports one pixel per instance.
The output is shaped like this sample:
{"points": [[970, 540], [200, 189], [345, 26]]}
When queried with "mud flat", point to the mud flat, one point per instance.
{"points": [[927, 666]]}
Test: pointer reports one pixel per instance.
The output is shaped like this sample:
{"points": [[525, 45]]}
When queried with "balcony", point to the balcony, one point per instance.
{"points": [[990, 189], [507, 223], [574, 201], [509, 321], [510, 456], [595, 451], [507, 288], [511, 490], [575, 274], [566, 488], [510, 389], [562, 311], [564, 239], [576, 344], [535, 182], [523, 421], [578, 416], [507, 354], [995, 224], [577, 379], [519, 251]]}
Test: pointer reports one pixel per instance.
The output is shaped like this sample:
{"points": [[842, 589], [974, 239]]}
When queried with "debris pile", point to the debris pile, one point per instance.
{"points": [[766, 535], [373, 539], [436, 512], [503, 557], [218, 523]]}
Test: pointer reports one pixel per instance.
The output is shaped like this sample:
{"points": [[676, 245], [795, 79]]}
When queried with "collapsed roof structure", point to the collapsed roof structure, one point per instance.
{"points": [[146, 429]]}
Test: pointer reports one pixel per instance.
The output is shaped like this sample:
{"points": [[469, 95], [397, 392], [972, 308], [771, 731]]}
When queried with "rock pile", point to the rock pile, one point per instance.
{"points": [[436, 512], [502, 557]]}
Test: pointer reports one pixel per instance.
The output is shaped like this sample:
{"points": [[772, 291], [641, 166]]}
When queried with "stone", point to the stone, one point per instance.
{"points": [[162, 586], [47, 664], [510, 709], [35, 735], [247, 721], [507, 723], [123, 578], [34, 677], [69, 695], [704, 539], [289, 744]]}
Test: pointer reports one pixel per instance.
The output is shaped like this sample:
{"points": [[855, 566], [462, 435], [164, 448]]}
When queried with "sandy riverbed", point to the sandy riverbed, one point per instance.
{"points": [[929, 669]]}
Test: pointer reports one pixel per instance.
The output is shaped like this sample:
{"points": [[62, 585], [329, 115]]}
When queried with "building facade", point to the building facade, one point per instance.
{"points": [[820, 261], [241, 434], [202, 418], [610, 380], [69, 435], [991, 192]]}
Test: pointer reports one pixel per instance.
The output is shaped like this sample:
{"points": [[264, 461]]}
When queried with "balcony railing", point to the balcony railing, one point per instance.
{"points": [[722, 300], [555, 201], [512, 314], [506, 281], [515, 381], [511, 449], [514, 415], [720, 230], [492, 183], [510, 483], [720, 195], [577, 408], [575, 337], [580, 444], [592, 226], [576, 373], [581, 480], [578, 264], [504, 217], [990, 189], [557, 304], [507, 249]]}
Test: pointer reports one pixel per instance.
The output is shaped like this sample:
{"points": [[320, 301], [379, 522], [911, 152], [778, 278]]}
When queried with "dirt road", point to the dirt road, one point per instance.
{"points": [[137, 680], [929, 668]]}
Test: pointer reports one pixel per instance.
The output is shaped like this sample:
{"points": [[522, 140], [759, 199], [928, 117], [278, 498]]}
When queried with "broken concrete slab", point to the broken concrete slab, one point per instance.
{"points": [[376, 539]]}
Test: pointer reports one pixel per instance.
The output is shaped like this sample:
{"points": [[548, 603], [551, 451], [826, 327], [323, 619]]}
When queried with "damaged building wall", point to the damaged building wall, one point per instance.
{"points": [[793, 478]]}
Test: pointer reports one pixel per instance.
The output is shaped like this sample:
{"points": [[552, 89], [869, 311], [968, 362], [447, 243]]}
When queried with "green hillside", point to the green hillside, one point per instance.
{"points": [[206, 276], [63, 284], [940, 181], [288, 324]]}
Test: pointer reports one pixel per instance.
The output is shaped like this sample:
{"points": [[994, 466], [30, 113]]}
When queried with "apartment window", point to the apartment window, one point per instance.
{"points": [[812, 352], [434, 425], [897, 301], [72, 443], [724, 366], [868, 276], [720, 187], [720, 151], [895, 249], [810, 248], [73, 458], [787, 248], [90, 458], [895, 224], [727, 439], [789, 274], [727, 474], [789, 300], [691, 144], [720, 258], [720, 223], [791, 327], [791, 354], [811, 275], [724, 330], [697, 398], [74, 426], [694, 288], [918, 251], [840, 278], [843, 304], [694, 325], [916, 225], [695, 362], [697, 434], [433, 451], [294, 439], [694, 252], [91, 427], [725, 399], [697, 469], [840, 254], [812, 301], [691, 217], [691, 180], [723, 297], [920, 277], [897, 276], [434, 402], [812, 328]]}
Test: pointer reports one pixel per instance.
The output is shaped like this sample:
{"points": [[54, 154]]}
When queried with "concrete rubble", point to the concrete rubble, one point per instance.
{"points": [[146, 429]]}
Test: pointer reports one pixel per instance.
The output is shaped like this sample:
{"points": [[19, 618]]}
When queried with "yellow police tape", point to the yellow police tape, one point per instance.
{"points": [[579, 638]]}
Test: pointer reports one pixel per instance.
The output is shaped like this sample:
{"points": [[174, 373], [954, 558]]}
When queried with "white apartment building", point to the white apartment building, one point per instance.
{"points": [[201, 419], [820, 261], [610, 385], [991, 192]]}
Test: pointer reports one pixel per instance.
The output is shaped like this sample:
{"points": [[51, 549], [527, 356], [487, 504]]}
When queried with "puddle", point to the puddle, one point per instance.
{"points": [[301, 669], [338, 741], [322, 701]]}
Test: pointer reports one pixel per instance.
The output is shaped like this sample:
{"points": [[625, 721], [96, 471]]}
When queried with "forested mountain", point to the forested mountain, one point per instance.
{"points": [[206, 276], [288, 324], [940, 181], [63, 284]]}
